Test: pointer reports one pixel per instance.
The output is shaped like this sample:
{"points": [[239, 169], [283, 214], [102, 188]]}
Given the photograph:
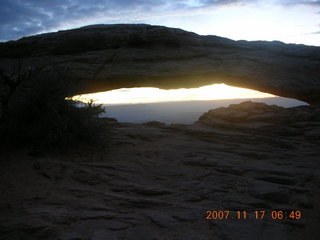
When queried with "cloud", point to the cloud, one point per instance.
{"points": [[314, 3], [301, 2], [26, 17], [20, 18]]}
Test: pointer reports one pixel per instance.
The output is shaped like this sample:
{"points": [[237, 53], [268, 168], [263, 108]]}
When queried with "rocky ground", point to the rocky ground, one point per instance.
{"points": [[157, 181]]}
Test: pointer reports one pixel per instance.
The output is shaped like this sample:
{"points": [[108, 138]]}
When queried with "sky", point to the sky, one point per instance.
{"points": [[290, 21]]}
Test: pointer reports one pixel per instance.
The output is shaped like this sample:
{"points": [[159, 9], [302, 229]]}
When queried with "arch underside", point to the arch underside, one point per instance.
{"points": [[109, 57]]}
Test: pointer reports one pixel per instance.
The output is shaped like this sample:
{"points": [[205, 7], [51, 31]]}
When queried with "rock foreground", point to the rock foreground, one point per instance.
{"points": [[104, 57], [157, 181]]}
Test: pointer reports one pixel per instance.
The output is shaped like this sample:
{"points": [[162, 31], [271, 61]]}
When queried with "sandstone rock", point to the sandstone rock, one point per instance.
{"points": [[50, 169], [88, 178], [103, 235], [117, 225], [163, 221], [85, 215], [279, 180], [261, 113], [163, 189], [150, 191], [105, 57], [71, 236], [270, 193], [155, 124]]}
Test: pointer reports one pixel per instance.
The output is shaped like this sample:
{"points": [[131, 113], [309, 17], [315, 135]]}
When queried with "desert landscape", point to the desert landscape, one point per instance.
{"points": [[157, 181], [254, 163]]}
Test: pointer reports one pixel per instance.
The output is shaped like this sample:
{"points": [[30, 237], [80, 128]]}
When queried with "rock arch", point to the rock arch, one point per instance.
{"points": [[106, 57]]}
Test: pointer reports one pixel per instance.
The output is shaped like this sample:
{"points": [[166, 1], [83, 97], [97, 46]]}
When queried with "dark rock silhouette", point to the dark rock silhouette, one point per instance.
{"points": [[248, 111], [105, 57]]}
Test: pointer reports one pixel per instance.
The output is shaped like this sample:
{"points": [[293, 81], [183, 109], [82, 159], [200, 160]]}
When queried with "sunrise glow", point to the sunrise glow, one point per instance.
{"points": [[148, 95]]}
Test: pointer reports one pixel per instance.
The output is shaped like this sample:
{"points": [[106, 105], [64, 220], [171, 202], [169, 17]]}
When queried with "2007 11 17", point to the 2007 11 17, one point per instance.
{"points": [[218, 214]]}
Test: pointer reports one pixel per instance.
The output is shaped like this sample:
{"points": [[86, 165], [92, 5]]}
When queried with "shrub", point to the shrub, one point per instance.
{"points": [[40, 116]]}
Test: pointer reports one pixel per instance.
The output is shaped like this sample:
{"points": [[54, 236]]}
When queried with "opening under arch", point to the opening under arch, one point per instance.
{"points": [[184, 105]]}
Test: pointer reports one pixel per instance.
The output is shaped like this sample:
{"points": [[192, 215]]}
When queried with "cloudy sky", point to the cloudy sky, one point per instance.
{"points": [[290, 21]]}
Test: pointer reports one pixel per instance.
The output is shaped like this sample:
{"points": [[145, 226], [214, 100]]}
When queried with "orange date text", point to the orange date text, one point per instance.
{"points": [[257, 215]]}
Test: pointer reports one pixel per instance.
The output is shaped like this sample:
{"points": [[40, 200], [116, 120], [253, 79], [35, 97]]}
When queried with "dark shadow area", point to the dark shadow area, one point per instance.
{"points": [[39, 116]]}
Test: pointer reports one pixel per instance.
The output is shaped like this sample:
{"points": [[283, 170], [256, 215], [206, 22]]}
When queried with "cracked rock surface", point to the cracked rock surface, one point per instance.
{"points": [[157, 181]]}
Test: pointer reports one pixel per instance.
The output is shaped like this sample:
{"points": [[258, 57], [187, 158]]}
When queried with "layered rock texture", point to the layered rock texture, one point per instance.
{"points": [[158, 181], [105, 57], [255, 112]]}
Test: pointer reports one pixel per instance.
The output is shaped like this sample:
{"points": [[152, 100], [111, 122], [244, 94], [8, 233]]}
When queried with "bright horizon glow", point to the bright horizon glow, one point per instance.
{"points": [[150, 95], [253, 21]]}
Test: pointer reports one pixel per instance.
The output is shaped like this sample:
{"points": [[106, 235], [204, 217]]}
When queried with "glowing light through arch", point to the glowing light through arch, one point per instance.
{"points": [[148, 95]]}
